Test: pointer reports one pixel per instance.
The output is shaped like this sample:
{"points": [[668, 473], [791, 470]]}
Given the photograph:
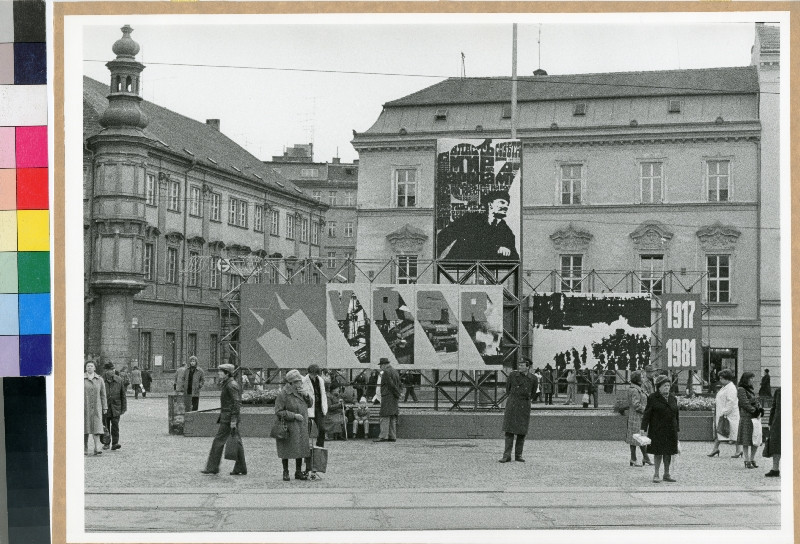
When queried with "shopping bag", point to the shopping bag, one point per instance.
{"points": [[585, 400], [641, 440], [106, 438], [756, 431], [723, 426], [232, 445], [279, 429], [319, 459]]}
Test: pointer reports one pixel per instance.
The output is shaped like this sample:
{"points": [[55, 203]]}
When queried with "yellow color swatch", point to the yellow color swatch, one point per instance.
{"points": [[33, 230], [8, 231]]}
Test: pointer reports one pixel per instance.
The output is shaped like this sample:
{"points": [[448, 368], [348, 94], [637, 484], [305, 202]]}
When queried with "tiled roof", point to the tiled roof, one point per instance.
{"points": [[741, 80], [179, 134], [769, 37]]}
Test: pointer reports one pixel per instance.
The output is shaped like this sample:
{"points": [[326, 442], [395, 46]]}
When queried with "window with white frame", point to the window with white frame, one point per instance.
{"points": [[273, 274], [718, 180], [348, 229], [651, 182], [571, 273], [332, 198], [215, 275], [331, 259], [405, 181], [348, 256], [216, 203], [349, 199], [571, 180], [719, 278], [317, 195], [172, 265], [237, 212], [651, 270], [331, 229], [195, 208], [406, 269], [194, 269], [309, 172], [304, 230], [233, 208], [275, 223], [173, 203], [290, 225], [243, 213], [152, 190], [258, 218], [315, 233], [149, 262]]}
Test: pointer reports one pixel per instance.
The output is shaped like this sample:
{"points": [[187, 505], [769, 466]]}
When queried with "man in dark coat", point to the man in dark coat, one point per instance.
{"points": [[520, 387], [480, 236], [117, 403], [193, 380], [390, 398], [147, 380], [230, 400], [765, 391]]}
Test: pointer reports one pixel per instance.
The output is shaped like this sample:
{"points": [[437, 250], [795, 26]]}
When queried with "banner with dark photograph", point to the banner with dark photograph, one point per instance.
{"points": [[478, 199], [602, 331], [393, 314], [349, 324]]}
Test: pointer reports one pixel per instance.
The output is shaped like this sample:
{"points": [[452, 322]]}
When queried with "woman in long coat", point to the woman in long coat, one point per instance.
{"points": [[291, 405], [547, 385], [520, 388], [773, 447], [637, 401], [727, 404], [749, 408], [94, 406], [661, 424]]}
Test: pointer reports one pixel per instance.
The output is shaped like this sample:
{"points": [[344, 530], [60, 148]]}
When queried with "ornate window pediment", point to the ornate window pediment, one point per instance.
{"points": [[174, 237], [407, 239], [216, 246], [151, 232], [196, 242], [571, 239], [238, 250], [651, 235], [718, 237]]}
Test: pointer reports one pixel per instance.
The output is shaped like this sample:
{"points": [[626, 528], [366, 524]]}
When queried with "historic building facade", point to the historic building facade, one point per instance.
{"points": [[659, 179], [169, 202], [333, 183]]}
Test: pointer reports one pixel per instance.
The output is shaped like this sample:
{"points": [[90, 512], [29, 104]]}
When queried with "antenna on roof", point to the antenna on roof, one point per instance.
{"points": [[539, 42], [463, 66]]}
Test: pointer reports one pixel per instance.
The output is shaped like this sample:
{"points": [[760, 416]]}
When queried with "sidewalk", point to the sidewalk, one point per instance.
{"points": [[154, 480]]}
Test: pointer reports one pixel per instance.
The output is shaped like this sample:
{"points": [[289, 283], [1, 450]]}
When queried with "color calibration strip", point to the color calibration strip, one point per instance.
{"points": [[25, 317]]}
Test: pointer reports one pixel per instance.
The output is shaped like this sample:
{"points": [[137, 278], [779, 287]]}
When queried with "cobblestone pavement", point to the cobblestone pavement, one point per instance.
{"points": [[154, 480]]}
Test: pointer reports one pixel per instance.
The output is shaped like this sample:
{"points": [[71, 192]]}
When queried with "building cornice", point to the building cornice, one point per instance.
{"points": [[633, 208], [404, 212]]}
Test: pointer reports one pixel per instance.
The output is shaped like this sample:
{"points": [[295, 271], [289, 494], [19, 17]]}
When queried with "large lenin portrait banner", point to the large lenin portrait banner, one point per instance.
{"points": [[478, 200], [447, 327]]}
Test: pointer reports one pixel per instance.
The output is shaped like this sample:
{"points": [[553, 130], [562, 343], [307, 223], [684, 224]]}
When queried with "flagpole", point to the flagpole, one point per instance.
{"points": [[514, 84]]}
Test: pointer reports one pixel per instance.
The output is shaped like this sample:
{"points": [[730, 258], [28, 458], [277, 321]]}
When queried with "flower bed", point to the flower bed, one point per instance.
{"points": [[696, 404], [256, 397]]}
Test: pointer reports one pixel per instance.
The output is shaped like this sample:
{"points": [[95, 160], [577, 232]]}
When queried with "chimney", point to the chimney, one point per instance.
{"points": [[337, 160], [214, 123]]}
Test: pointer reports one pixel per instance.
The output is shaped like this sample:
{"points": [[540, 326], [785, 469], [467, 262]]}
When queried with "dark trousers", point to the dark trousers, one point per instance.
{"points": [[548, 398], [510, 442], [298, 465], [136, 388], [112, 423], [191, 403], [410, 391], [218, 445]]}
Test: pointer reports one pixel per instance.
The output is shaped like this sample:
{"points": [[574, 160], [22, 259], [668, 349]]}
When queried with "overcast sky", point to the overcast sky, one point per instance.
{"points": [[267, 110]]}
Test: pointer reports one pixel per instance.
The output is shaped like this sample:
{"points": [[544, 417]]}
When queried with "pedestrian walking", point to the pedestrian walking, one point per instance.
{"points": [[773, 445], [230, 400], [572, 387], [547, 384], [136, 382], [727, 413], [116, 405], [408, 382], [126, 377], [314, 386], [390, 397], [749, 409], [178, 383], [765, 391], [660, 423], [193, 380], [94, 407], [147, 381], [291, 407], [520, 387], [637, 401]]}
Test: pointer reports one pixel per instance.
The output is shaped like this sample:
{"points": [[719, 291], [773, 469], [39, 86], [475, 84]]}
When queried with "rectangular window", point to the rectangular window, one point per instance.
{"points": [[571, 273], [214, 275], [349, 199], [152, 188], [235, 281], [332, 198], [579, 109], [348, 256], [237, 212], [170, 350], [571, 179], [406, 269], [243, 205], [213, 355], [149, 262], [194, 269], [145, 350], [233, 208], [652, 273], [719, 278], [317, 195], [651, 182], [258, 218], [172, 265], [331, 229], [331, 259], [275, 223], [304, 230], [174, 196], [406, 188], [191, 344], [216, 200], [315, 233], [195, 208], [290, 225], [348, 229], [309, 172], [273, 274], [718, 181]]}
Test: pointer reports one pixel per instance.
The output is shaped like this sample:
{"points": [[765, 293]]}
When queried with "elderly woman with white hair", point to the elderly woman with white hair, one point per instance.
{"points": [[727, 413], [291, 407]]}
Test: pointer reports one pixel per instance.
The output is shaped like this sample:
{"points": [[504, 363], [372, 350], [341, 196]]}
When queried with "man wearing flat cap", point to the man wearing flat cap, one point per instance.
{"points": [[390, 398], [230, 400], [480, 236]]}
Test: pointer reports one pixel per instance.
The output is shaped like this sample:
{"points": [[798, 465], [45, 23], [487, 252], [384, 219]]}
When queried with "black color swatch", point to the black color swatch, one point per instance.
{"points": [[29, 21]]}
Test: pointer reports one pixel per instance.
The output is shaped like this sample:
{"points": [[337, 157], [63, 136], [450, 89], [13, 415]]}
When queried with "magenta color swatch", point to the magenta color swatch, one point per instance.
{"points": [[31, 147], [7, 147], [9, 355]]}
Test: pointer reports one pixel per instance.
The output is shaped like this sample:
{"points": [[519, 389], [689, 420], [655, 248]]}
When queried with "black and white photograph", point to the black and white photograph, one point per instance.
{"points": [[326, 271]]}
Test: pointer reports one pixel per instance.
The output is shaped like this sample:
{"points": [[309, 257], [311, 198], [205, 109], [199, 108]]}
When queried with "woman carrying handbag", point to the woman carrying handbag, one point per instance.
{"points": [[749, 411], [291, 407], [727, 413]]}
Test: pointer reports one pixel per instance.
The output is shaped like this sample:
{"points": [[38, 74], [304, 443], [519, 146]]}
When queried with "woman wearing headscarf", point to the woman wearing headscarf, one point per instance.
{"points": [[637, 401], [749, 408], [291, 405], [727, 405], [660, 423], [94, 407], [773, 446]]}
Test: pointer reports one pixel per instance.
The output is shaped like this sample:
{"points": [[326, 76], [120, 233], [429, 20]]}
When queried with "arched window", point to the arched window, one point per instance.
{"points": [[117, 86], [128, 84]]}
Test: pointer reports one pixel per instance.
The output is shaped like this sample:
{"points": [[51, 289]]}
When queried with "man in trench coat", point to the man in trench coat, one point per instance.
{"points": [[390, 397], [230, 400], [520, 387], [117, 405]]}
